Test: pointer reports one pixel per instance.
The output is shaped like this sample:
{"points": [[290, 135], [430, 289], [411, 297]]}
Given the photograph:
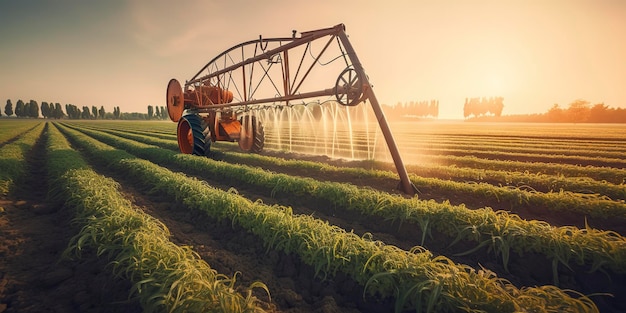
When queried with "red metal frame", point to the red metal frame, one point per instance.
{"points": [[248, 70]]}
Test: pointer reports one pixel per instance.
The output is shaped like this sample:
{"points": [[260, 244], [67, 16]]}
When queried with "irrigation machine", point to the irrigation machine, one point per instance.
{"points": [[221, 101]]}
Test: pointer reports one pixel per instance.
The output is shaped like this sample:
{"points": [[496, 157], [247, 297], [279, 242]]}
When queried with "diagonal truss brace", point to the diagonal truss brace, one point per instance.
{"points": [[258, 72]]}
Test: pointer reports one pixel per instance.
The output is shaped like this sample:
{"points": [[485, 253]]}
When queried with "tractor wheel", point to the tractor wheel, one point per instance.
{"points": [[190, 135], [252, 138], [206, 132]]}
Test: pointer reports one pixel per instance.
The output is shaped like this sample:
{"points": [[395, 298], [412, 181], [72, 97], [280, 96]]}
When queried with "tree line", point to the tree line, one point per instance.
{"points": [[581, 111], [32, 109], [483, 106], [578, 111], [425, 108]]}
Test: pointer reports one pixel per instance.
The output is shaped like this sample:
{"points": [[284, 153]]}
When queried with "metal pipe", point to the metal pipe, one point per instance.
{"points": [[368, 94], [405, 183], [312, 94], [310, 36]]}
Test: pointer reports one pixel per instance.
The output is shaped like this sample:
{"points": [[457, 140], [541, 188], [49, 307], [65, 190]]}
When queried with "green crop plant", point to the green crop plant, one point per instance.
{"points": [[600, 174], [612, 175], [11, 130], [415, 278], [165, 277], [546, 183], [12, 158], [508, 196], [513, 233], [330, 249]]}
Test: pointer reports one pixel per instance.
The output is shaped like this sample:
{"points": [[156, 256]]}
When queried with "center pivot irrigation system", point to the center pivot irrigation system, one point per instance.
{"points": [[220, 101]]}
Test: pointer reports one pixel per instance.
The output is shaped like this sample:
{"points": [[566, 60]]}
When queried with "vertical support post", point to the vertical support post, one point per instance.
{"points": [[286, 78], [405, 183]]}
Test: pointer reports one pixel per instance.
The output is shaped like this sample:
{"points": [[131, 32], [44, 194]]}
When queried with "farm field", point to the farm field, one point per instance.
{"points": [[102, 216]]}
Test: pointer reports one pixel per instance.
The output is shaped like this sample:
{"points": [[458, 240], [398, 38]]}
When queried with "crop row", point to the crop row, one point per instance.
{"points": [[505, 143], [514, 198], [535, 131], [165, 277], [497, 231], [488, 153], [560, 176], [551, 146], [13, 158], [474, 147], [416, 279], [515, 141], [10, 130], [612, 175], [422, 176]]}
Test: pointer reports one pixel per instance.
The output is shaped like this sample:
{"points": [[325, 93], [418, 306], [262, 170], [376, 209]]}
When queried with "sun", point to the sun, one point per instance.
{"points": [[495, 74], [495, 85]]}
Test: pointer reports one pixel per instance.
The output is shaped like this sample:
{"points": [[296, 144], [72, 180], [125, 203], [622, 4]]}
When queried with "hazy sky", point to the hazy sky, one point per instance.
{"points": [[534, 53]]}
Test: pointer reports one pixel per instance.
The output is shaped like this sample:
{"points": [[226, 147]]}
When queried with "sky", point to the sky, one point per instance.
{"points": [[534, 53]]}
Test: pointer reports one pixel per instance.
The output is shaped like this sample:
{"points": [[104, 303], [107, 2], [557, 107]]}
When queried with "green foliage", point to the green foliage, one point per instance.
{"points": [[45, 110], [483, 106], [8, 108], [165, 277], [498, 231], [416, 278], [19, 108], [12, 157]]}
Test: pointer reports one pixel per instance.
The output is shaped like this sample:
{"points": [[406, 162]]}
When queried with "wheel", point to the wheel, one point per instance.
{"points": [[190, 135], [206, 131], [252, 136], [349, 87], [175, 100]]}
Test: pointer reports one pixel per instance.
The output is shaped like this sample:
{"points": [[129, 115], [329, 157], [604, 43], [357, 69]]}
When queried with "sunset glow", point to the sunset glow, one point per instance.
{"points": [[532, 53]]}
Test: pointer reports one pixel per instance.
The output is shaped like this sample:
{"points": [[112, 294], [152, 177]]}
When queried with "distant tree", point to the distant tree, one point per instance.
{"points": [[27, 109], [86, 114], [19, 108], [101, 113], [75, 111], [94, 112], [556, 114], [150, 111], [157, 112], [33, 109], [483, 106], [578, 111], [599, 113], [8, 108], [72, 111], [58, 111], [496, 105], [45, 110], [164, 114], [68, 111], [433, 108]]}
